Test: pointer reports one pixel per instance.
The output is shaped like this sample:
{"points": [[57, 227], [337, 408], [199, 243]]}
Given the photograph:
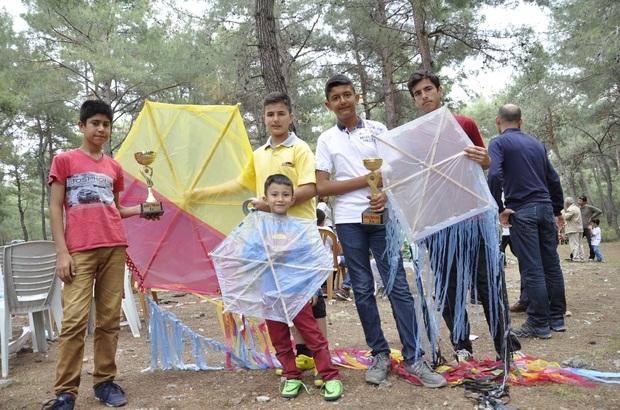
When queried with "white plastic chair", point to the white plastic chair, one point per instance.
{"points": [[129, 308], [30, 286], [339, 272]]}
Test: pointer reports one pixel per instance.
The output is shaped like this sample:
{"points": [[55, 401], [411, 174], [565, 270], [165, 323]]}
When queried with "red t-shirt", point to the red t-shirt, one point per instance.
{"points": [[471, 129], [92, 219]]}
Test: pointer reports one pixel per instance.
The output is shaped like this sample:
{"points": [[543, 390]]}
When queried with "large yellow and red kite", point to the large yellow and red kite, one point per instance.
{"points": [[195, 146]]}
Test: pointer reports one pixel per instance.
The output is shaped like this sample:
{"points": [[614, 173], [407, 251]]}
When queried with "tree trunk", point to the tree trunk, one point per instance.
{"points": [[43, 168], [361, 71], [567, 176], [387, 69], [20, 204], [107, 97], [268, 52], [607, 194], [419, 22]]}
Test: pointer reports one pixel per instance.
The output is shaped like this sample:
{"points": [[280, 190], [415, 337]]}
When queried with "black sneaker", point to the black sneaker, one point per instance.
{"points": [[63, 401], [558, 325], [111, 394], [377, 374], [423, 371], [528, 331], [343, 294], [463, 355]]}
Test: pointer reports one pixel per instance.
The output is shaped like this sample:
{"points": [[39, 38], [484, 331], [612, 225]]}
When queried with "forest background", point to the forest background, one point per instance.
{"points": [[566, 80]]}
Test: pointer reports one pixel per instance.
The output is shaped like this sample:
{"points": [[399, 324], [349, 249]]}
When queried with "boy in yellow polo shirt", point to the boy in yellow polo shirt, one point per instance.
{"points": [[283, 153]]}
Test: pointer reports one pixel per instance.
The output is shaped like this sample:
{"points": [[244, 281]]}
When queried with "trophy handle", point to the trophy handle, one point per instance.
{"points": [[247, 206], [147, 173], [371, 178]]}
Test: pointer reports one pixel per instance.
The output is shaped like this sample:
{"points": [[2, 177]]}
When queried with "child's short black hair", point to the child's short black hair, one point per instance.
{"points": [[90, 108], [278, 97], [320, 217], [420, 75], [335, 81], [279, 179], [596, 221]]}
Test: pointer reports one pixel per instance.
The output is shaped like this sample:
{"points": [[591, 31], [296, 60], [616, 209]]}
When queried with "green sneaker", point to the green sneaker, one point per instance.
{"points": [[332, 390], [291, 388]]}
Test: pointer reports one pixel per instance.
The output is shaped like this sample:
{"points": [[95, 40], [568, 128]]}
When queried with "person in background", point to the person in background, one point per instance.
{"points": [[595, 231], [323, 205], [531, 208], [587, 213], [573, 230]]}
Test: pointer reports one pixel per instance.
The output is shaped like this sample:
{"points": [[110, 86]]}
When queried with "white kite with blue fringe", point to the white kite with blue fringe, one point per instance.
{"points": [[441, 202], [270, 266]]}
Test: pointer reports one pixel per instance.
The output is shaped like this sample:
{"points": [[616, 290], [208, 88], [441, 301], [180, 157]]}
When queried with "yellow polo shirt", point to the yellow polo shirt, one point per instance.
{"points": [[292, 158]]}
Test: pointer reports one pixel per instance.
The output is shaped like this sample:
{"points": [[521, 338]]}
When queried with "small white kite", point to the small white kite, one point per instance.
{"points": [[270, 266]]}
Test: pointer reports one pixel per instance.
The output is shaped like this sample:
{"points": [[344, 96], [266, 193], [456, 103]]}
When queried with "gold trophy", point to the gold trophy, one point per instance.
{"points": [[368, 216], [151, 206]]}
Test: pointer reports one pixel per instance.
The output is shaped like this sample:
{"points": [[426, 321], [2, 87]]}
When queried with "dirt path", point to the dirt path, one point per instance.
{"points": [[593, 335]]}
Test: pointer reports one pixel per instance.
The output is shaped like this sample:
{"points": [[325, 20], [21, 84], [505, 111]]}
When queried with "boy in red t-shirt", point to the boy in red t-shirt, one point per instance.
{"points": [[91, 244]]}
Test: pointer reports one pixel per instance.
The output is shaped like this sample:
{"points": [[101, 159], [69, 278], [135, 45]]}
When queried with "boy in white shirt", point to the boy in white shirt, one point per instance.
{"points": [[596, 238], [341, 151]]}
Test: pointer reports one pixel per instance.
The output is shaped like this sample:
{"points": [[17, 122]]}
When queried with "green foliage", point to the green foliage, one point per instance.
{"points": [[127, 51], [567, 391]]}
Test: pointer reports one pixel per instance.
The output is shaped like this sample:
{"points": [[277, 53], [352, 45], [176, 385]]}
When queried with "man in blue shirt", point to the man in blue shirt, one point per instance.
{"points": [[532, 203]]}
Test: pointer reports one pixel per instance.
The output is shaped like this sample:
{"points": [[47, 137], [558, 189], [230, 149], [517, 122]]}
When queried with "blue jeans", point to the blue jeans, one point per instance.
{"points": [[357, 241], [534, 236], [597, 253], [588, 236], [346, 283]]}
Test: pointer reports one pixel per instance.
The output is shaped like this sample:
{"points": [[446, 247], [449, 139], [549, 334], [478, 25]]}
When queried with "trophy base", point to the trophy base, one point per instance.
{"points": [[151, 209], [374, 218]]}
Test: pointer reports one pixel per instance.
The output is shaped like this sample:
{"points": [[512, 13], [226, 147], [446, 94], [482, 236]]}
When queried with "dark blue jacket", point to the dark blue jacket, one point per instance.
{"points": [[521, 169]]}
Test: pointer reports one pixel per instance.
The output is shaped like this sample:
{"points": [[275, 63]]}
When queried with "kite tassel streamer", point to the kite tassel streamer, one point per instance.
{"points": [[394, 238], [243, 339], [169, 336], [603, 377], [458, 249], [466, 248]]}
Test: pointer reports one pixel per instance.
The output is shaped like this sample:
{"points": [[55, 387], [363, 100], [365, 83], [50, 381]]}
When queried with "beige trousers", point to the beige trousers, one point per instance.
{"points": [[574, 241], [107, 265]]}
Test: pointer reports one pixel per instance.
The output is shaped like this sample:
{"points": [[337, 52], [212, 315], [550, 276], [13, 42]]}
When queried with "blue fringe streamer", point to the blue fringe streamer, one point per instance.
{"points": [[458, 244], [168, 342], [603, 377]]}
